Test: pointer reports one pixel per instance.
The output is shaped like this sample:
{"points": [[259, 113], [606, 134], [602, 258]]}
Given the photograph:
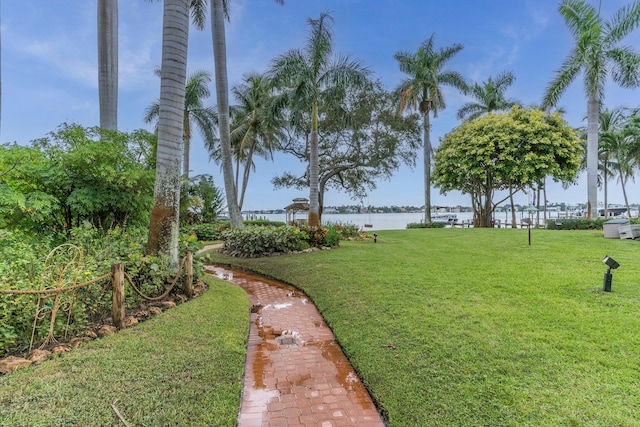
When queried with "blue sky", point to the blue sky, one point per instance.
{"points": [[49, 69]]}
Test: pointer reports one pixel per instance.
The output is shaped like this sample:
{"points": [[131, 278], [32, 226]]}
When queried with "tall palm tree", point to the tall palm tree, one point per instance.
{"points": [[218, 12], [312, 79], [108, 63], [598, 54], [422, 90], [489, 97], [165, 214], [195, 113]]}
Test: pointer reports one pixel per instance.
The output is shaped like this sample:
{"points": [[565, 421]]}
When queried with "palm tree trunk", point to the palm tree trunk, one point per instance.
{"points": [[222, 93], [186, 140], [606, 202], [108, 63], [314, 170], [593, 107], [427, 166], [247, 171], [165, 214], [623, 180]]}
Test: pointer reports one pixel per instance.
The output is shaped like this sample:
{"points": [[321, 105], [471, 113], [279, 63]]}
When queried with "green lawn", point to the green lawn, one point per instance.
{"points": [[473, 327], [448, 327], [183, 367]]}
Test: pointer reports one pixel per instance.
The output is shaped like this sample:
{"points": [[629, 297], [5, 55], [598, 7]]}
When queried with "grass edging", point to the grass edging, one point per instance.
{"points": [[183, 367]]}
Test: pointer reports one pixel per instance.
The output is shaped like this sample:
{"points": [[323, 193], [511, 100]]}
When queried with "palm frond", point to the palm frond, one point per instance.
{"points": [[564, 76], [626, 19], [626, 64]]}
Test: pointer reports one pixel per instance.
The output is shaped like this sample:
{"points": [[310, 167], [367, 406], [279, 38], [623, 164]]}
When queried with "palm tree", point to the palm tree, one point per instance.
{"points": [[195, 113], [598, 54], [165, 214], [489, 97], [218, 12], [422, 90], [108, 63], [255, 128], [312, 80], [610, 125]]}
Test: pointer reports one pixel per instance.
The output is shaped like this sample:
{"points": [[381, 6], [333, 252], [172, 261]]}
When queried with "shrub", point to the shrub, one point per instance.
{"points": [[264, 223], [252, 241], [213, 230], [315, 236], [22, 259], [345, 231], [425, 225], [207, 231], [575, 224], [332, 237]]}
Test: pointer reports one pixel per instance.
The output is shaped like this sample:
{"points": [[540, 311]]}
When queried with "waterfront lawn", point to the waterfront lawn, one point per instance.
{"points": [[182, 367], [474, 327]]}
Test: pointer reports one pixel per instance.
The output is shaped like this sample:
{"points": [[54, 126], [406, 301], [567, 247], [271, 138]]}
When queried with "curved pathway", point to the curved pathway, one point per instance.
{"points": [[295, 373]]}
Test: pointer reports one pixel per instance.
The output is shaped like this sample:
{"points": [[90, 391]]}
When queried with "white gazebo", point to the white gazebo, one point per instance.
{"points": [[300, 204]]}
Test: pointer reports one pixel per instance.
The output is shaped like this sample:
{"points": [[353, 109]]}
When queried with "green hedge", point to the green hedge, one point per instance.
{"points": [[258, 241], [575, 224], [425, 225], [213, 231]]}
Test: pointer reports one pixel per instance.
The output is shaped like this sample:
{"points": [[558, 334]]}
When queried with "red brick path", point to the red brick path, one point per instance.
{"points": [[295, 374]]}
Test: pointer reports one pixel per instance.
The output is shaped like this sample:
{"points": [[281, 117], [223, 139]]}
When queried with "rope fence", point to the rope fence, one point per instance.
{"points": [[117, 276]]}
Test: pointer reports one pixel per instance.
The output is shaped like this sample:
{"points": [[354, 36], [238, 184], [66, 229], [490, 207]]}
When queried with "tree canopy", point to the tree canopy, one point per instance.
{"points": [[76, 175], [373, 144], [518, 149]]}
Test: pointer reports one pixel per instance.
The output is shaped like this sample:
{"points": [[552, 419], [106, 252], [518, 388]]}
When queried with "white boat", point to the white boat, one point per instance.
{"points": [[447, 218]]}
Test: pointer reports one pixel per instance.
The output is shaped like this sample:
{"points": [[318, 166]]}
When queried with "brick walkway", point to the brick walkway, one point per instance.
{"points": [[295, 374]]}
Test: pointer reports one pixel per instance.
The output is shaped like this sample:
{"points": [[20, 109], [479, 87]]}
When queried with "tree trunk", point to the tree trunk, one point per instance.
{"points": [[165, 214], [222, 93], [314, 170], [427, 166], [186, 140], [593, 107], [108, 63], [606, 196], [623, 181], [247, 172], [514, 222]]}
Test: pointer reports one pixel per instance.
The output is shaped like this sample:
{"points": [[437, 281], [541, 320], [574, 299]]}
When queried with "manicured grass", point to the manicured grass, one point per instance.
{"points": [[182, 367], [473, 327]]}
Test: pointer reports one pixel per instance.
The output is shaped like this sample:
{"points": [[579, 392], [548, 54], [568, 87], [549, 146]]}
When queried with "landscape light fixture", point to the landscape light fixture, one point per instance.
{"points": [[375, 237], [612, 264]]}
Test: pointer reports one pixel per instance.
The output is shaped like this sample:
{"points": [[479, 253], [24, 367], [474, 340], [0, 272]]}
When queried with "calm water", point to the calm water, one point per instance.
{"points": [[394, 221], [379, 221]]}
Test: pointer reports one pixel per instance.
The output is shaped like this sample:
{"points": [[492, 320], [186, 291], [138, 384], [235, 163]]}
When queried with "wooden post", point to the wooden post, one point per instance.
{"points": [[117, 294], [188, 282]]}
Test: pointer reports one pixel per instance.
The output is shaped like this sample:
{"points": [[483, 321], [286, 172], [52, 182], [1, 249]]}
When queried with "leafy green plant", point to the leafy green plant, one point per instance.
{"points": [[425, 225], [22, 258], [575, 224], [251, 242]]}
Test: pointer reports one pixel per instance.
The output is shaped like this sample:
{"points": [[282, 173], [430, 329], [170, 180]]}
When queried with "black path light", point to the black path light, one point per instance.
{"points": [[612, 264]]}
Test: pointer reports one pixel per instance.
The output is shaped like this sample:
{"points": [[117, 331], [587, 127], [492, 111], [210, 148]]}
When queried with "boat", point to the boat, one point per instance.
{"points": [[613, 213], [447, 218]]}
